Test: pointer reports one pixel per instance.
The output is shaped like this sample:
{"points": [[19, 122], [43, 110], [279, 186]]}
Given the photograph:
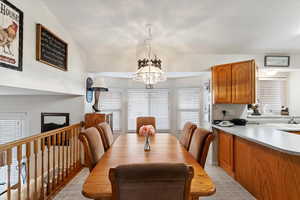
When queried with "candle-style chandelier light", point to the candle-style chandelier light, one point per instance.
{"points": [[149, 65]]}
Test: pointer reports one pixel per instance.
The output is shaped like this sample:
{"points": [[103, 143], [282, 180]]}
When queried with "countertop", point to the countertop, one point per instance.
{"points": [[267, 136]]}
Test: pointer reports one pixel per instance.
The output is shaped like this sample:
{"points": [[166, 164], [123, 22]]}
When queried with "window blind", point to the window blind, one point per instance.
{"points": [[12, 127], [111, 102], [272, 94], [154, 102], [188, 106]]}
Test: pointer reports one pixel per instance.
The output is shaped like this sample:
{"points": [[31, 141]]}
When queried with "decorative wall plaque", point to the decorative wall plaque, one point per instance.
{"points": [[50, 49]]}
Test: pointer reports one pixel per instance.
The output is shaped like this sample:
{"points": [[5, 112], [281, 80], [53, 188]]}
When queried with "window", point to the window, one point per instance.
{"points": [[111, 102], [12, 127], [154, 102], [271, 95], [188, 106]]}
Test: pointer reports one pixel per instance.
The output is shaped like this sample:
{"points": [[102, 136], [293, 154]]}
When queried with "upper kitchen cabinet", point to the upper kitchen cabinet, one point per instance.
{"points": [[234, 83], [221, 76]]}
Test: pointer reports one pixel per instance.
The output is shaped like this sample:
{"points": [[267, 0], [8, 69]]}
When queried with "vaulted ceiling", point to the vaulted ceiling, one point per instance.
{"points": [[109, 30]]}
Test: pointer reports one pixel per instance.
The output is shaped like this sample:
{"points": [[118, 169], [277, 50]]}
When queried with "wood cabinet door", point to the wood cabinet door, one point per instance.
{"points": [[243, 82], [221, 76], [225, 152]]}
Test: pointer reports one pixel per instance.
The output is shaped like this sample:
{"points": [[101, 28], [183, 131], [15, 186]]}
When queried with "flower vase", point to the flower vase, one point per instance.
{"points": [[147, 144]]}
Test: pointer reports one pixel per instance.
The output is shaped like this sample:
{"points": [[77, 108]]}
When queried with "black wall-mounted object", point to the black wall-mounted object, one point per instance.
{"points": [[89, 90], [277, 61], [52, 125], [50, 49]]}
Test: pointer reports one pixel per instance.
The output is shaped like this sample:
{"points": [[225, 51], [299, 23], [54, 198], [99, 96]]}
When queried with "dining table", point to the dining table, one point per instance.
{"points": [[129, 149]]}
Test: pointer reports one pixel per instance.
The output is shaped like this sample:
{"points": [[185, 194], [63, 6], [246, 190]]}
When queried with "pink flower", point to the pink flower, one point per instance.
{"points": [[147, 130]]}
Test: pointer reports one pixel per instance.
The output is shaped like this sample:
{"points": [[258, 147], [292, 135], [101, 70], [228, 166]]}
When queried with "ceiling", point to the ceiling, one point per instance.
{"points": [[108, 31]]}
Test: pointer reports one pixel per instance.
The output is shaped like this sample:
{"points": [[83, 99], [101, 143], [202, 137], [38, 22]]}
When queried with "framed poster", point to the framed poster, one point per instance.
{"points": [[11, 36], [50, 49], [277, 61]]}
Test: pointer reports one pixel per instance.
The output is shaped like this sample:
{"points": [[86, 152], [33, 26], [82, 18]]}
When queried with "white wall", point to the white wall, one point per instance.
{"points": [[39, 76], [33, 105], [294, 93], [170, 84], [194, 62]]}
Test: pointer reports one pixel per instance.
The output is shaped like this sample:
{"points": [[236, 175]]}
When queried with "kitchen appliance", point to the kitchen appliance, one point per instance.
{"points": [[223, 123], [239, 122]]}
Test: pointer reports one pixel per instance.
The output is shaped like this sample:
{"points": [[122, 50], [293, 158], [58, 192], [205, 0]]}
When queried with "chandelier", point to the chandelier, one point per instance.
{"points": [[149, 66]]}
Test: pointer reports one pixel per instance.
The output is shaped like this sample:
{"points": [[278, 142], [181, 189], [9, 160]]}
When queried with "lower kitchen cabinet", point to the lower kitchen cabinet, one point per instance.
{"points": [[266, 173], [225, 153]]}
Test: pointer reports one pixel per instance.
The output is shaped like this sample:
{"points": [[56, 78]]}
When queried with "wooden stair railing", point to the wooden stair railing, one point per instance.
{"points": [[51, 160]]}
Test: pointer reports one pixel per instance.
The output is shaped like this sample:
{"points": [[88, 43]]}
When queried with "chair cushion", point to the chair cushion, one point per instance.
{"points": [[95, 144], [198, 142], [160, 181], [187, 134], [106, 134]]}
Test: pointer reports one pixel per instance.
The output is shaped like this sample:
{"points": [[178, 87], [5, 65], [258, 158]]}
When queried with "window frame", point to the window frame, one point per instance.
{"points": [[120, 110], [149, 108], [179, 110], [259, 101]]}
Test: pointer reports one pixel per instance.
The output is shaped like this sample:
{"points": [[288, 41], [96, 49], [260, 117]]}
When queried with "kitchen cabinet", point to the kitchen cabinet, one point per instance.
{"points": [[234, 83], [225, 152], [221, 77], [265, 172]]}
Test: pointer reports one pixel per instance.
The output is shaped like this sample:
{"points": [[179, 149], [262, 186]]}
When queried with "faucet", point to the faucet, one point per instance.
{"points": [[292, 121]]}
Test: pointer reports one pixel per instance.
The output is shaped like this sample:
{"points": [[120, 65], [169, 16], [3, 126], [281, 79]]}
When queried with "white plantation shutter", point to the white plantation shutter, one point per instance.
{"points": [[138, 105], [159, 108], [272, 94], [111, 102], [12, 127], [154, 102], [188, 106]]}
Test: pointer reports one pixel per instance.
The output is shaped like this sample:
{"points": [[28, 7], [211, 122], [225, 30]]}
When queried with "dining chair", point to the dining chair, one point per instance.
{"points": [[141, 121], [93, 146], [187, 134], [200, 143], [154, 181], [106, 135]]}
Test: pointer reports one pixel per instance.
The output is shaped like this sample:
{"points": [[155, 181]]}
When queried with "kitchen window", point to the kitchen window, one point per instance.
{"points": [[271, 95], [154, 102], [188, 106]]}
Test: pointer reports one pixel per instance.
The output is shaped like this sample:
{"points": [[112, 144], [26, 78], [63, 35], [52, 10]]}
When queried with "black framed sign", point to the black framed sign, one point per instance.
{"points": [[11, 36], [277, 61], [50, 49]]}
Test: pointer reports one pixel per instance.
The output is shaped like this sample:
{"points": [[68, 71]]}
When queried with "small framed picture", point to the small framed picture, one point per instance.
{"points": [[277, 61]]}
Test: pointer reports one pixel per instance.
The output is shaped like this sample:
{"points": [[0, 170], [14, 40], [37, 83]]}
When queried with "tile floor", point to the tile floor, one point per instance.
{"points": [[227, 188]]}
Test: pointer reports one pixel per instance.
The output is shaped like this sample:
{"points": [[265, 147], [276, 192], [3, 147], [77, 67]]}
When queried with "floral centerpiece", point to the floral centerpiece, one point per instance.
{"points": [[147, 131]]}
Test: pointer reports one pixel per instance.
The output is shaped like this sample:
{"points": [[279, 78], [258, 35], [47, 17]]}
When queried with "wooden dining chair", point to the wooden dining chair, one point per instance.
{"points": [[187, 134], [93, 146], [141, 121], [106, 135], [200, 143], [154, 181]]}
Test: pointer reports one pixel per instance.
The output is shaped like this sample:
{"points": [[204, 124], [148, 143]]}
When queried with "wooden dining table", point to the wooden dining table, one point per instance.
{"points": [[129, 148]]}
